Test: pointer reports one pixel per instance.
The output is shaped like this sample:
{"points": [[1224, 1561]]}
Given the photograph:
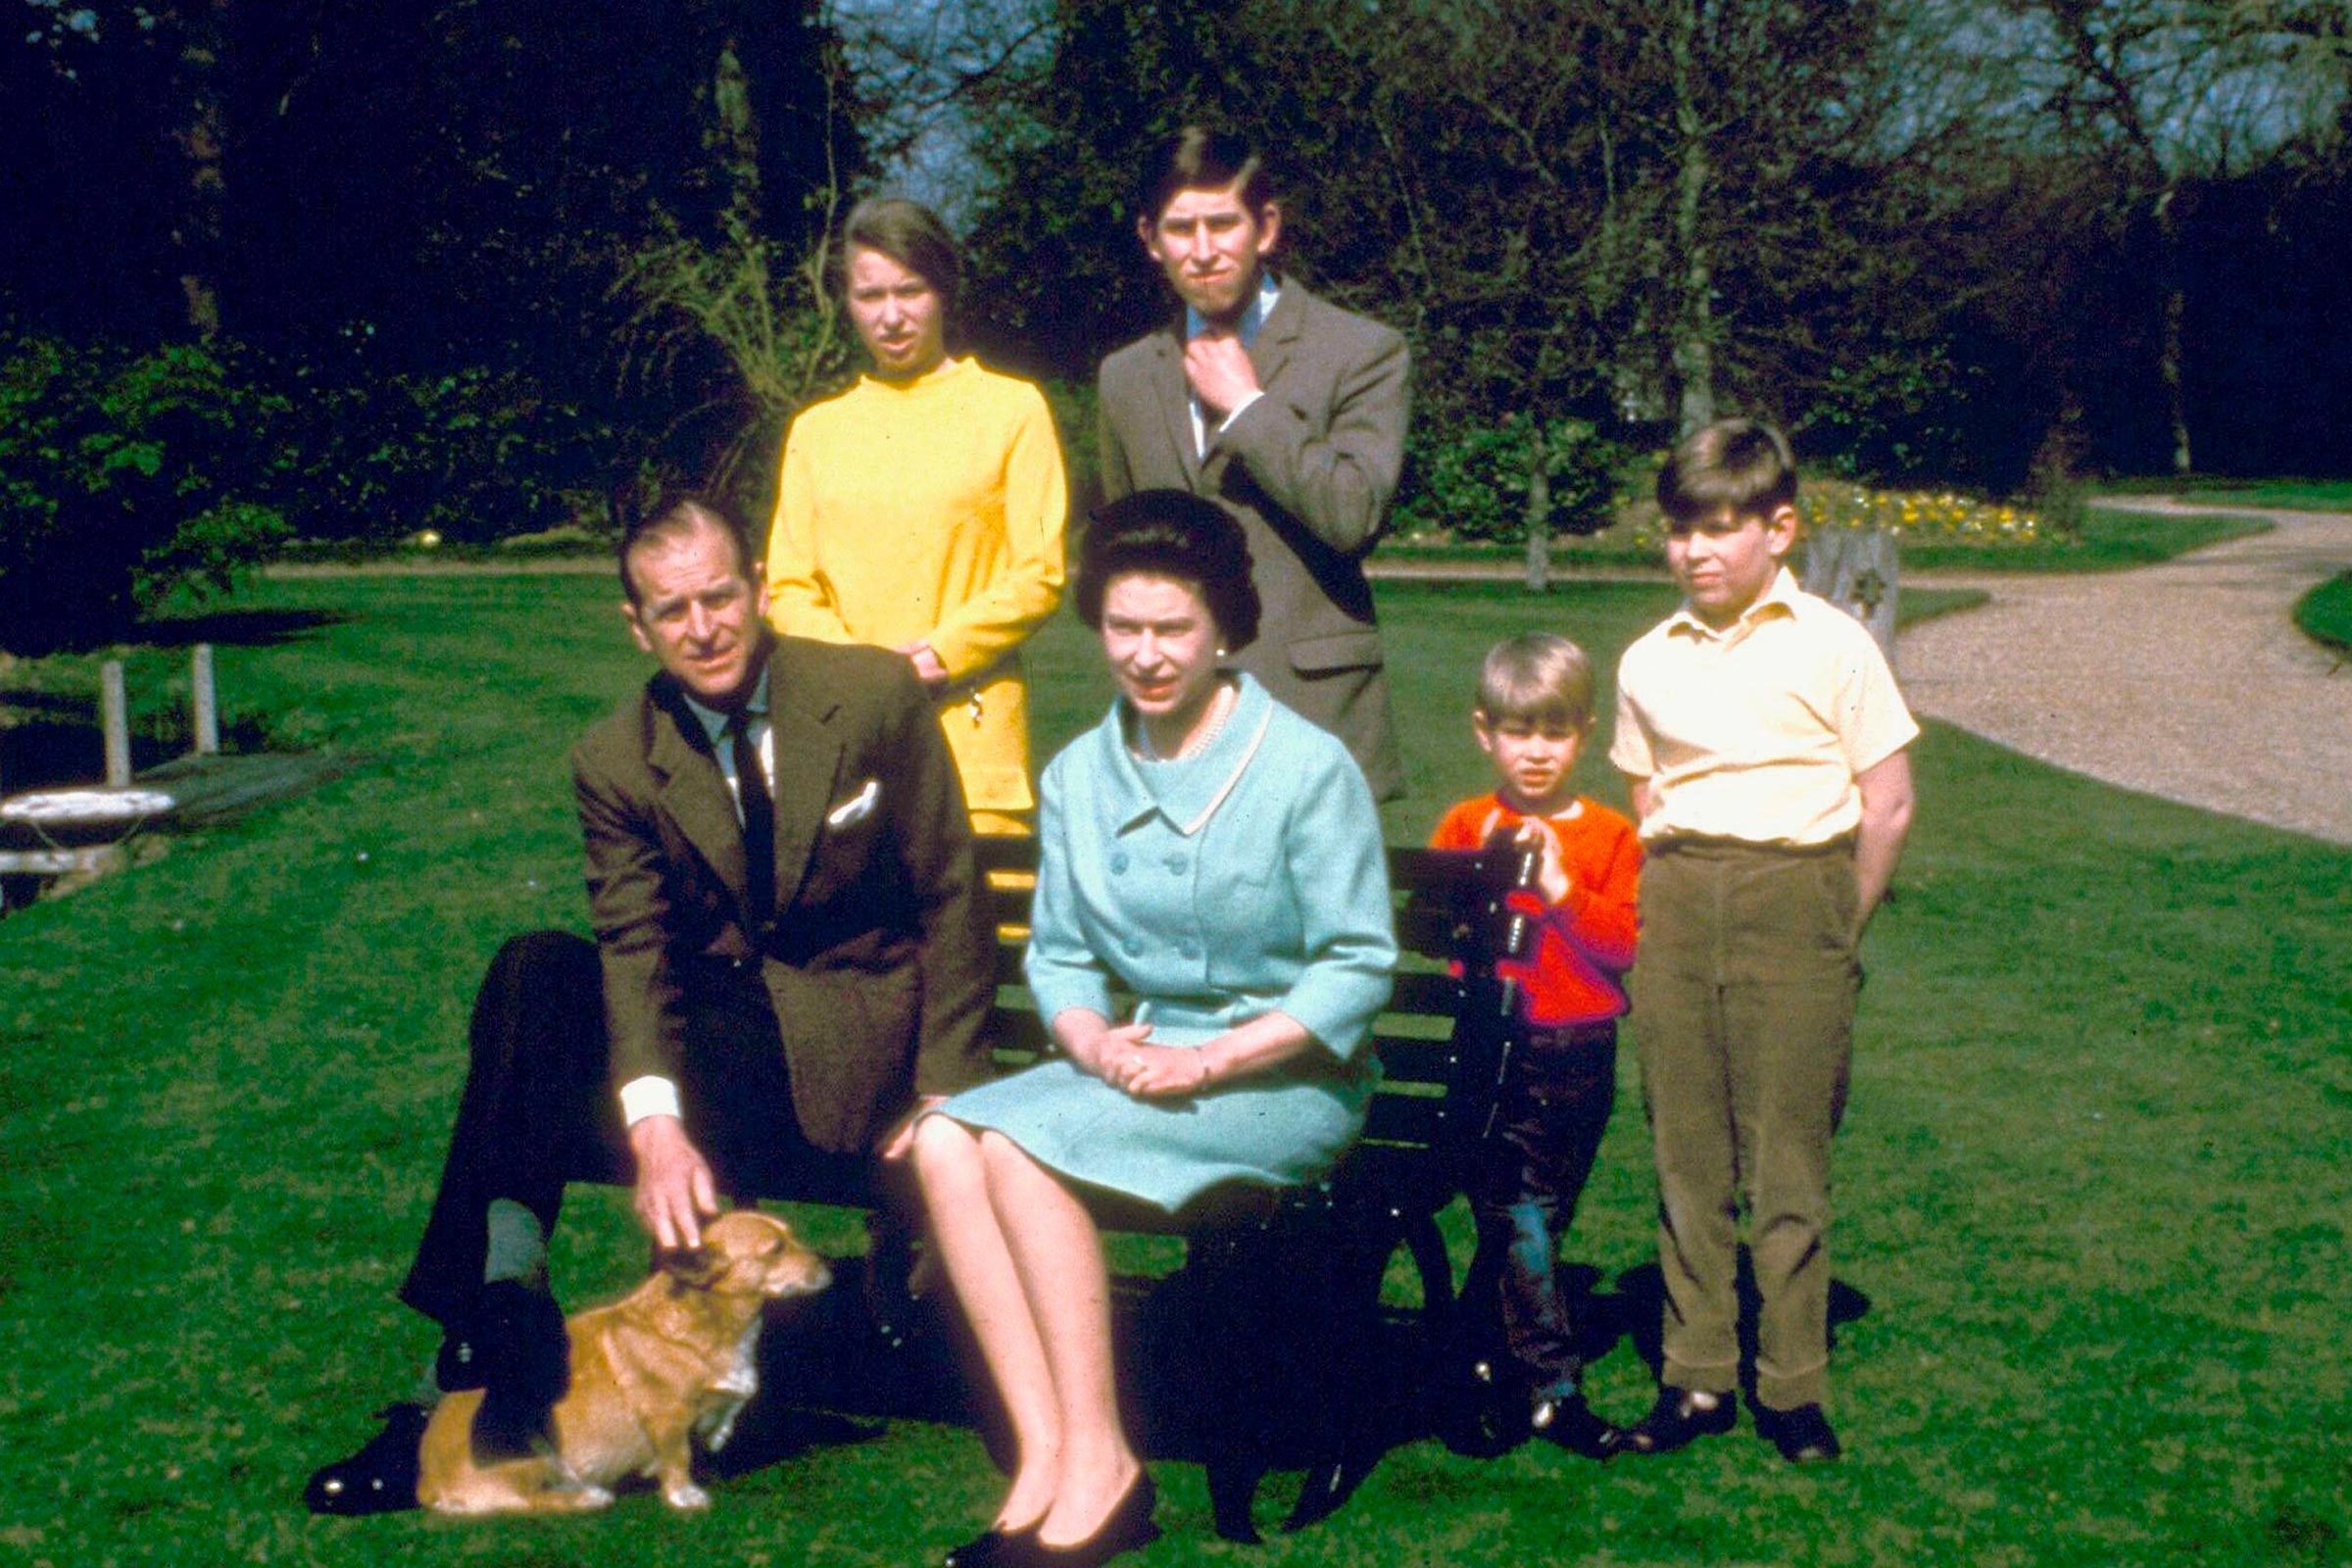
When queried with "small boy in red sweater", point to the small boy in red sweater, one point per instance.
{"points": [[1534, 715]]}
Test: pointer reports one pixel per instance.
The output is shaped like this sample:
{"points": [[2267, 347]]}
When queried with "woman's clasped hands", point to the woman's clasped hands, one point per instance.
{"points": [[1123, 1057]]}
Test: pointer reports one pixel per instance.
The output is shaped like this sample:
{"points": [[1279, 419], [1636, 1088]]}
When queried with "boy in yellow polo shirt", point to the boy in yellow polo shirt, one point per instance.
{"points": [[1763, 739]]}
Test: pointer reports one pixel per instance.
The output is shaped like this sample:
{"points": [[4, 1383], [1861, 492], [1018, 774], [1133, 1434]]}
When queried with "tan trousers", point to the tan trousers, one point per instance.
{"points": [[1744, 1007]]}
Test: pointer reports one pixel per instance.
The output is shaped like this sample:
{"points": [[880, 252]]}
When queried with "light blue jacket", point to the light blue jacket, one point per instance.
{"points": [[1217, 888], [1248, 880]]}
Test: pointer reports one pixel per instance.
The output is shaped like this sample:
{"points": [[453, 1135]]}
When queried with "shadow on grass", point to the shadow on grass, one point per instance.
{"points": [[1636, 1310], [66, 746], [66, 749], [238, 628], [826, 1376], [827, 1379]]}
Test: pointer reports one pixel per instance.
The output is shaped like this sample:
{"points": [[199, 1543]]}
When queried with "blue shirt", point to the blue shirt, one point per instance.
{"points": [[1254, 318], [714, 725]]}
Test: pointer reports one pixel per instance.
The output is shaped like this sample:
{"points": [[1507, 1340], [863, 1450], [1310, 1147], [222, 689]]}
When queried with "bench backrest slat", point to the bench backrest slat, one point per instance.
{"points": [[1441, 1039]]}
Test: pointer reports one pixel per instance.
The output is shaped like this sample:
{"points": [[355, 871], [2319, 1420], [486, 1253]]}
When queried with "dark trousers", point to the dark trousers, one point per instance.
{"points": [[1524, 1186], [540, 1109]]}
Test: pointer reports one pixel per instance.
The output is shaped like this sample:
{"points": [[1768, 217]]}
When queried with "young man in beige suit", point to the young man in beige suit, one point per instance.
{"points": [[1286, 410]]}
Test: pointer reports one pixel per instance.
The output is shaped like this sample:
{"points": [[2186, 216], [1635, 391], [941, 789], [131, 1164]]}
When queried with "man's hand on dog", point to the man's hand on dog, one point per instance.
{"points": [[675, 1193]]}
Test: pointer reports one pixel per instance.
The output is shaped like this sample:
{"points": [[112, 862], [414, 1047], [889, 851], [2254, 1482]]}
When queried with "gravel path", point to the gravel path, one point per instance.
{"points": [[2188, 680]]}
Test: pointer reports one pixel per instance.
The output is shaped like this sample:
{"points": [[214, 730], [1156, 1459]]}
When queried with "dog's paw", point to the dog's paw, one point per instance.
{"points": [[686, 1495]]}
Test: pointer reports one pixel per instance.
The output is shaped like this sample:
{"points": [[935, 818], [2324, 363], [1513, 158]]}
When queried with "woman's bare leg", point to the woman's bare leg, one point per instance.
{"points": [[1057, 1250], [966, 1228]]}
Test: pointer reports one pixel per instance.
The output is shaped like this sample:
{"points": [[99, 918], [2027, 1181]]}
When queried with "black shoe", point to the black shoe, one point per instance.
{"points": [[1803, 1434], [1128, 1526], [1570, 1422], [1677, 1421], [522, 1355], [513, 1334], [381, 1478], [1483, 1411], [993, 1548]]}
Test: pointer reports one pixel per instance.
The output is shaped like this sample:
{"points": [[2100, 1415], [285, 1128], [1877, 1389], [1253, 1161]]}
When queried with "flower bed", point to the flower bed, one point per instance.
{"points": [[1937, 527], [1939, 517]]}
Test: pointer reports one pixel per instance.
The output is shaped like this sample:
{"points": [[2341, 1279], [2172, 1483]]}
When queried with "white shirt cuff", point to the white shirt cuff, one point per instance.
{"points": [[1235, 413], [649, 1095]]}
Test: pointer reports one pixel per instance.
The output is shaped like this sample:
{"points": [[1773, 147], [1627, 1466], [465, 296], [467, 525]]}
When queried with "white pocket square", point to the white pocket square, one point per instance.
{"points": [[858, 808]]}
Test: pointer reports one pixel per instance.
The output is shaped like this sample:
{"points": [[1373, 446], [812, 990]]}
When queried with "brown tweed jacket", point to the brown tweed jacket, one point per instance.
{"points": [[875, 958]]}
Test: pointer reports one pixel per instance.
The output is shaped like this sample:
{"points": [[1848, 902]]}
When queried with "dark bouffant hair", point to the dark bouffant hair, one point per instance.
{"points": [[1171, 533], [674, 517]]}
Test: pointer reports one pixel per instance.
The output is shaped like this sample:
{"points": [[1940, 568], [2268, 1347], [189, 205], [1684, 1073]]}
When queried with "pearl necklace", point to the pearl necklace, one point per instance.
{"points": [[1203, 736]]}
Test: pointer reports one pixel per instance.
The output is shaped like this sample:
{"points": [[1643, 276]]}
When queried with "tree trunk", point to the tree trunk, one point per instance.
{"points": [[196, 237], [1694, 314], [2172, 353], [735, 136], [1538, 517], [1860, 571]]}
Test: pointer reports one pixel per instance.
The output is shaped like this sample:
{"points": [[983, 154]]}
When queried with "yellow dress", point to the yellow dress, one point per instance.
{"points": [[930, 511]]}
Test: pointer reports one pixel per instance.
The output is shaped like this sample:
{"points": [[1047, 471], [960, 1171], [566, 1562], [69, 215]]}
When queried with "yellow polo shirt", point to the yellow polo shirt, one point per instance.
{"points": [[1757, 732]]}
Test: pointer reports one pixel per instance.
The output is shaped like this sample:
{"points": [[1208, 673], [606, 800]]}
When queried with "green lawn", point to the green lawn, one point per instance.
{"points": [[2092, 1185], [2314, 495], [2109, 539], [2325, 612]]}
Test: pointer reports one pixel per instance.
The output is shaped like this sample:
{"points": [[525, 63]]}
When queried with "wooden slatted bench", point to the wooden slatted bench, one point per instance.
{"points": [[1286, 1284], [1292, 1278]]}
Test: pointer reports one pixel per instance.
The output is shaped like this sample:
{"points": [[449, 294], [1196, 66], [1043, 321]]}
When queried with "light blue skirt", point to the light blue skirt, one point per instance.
{"points": [[1276, 1129]]}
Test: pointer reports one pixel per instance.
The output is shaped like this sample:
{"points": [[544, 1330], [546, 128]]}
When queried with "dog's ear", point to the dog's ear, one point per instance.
{"points": [[698, 1267]]}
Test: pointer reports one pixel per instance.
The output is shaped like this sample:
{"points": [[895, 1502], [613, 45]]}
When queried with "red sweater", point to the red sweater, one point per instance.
{"points": [[1584, 945]]}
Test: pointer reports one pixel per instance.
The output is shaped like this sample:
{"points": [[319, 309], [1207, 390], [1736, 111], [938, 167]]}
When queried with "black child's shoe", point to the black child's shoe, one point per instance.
{"points": [[381, 1478], [1803, 1434], [1570, 1422], [1677, 1421], [993, 1548]]}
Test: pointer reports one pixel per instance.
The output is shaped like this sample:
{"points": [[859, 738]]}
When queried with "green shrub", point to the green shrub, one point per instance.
{"points": [[122, 476], [2055, 484], [1475, 484], [1899, 417], [471, 455], [764, 315]]}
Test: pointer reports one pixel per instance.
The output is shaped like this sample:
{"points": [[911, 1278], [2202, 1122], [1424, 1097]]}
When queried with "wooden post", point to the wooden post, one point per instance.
{"points": [[114, 716], [1858, 570], [207, 711]]}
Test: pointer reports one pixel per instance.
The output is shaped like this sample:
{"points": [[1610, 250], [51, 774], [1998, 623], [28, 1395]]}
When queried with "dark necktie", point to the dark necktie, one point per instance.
{"points": [[758, 820]]}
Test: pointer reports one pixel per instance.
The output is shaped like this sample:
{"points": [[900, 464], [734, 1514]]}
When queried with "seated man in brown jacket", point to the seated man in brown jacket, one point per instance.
{"points": [[789, 956]]}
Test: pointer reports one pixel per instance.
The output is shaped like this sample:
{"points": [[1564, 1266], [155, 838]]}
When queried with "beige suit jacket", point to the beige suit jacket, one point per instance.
{"points": [[1308, 471]]}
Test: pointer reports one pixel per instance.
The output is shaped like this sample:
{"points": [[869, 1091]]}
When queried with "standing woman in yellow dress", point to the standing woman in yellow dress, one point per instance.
{"points": [[922, 510]]}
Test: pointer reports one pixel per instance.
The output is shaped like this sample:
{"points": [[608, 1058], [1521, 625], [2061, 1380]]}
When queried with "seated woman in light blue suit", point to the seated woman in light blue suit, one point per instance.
{"points": [[1209, 851]]}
